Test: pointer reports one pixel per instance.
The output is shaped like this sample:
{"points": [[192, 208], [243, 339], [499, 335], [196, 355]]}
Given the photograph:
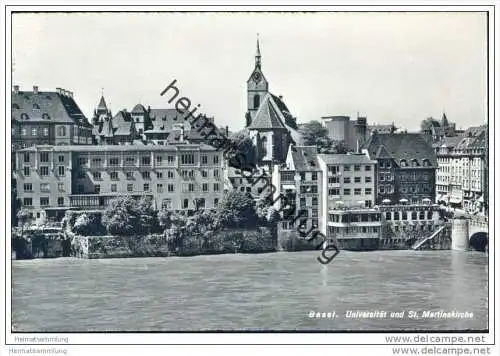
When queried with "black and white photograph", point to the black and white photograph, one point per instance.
{"points": [[243, 175]]}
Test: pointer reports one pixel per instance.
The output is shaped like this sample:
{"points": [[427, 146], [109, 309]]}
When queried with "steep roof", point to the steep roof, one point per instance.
{"points": [[305, 158], [102, 105], [402, 146], [268, 115], [46, 106], [139, 109], [123, 124]]}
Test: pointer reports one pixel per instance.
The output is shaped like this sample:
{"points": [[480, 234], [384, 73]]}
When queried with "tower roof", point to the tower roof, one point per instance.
{"points": [[257, 55], [102, 104]]}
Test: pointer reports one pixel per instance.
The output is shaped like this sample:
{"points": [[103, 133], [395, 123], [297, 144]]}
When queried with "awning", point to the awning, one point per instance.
{"points": [[426, 199], [386, 201], [288, 187], [403, 200], [455, 200]]}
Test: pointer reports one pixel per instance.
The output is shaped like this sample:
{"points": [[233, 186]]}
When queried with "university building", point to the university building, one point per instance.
{"points": [[53, 179]]}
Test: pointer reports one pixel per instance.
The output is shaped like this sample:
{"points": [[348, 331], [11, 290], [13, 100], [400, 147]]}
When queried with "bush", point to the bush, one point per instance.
{"points": [[126, 216], [237, 209]]}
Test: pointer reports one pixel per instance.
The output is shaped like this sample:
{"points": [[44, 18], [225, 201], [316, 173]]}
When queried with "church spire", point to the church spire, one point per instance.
{"points": [[257, 55]]}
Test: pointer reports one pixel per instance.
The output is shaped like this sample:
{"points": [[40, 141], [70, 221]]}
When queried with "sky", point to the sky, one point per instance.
{"points": [[389, 67]]}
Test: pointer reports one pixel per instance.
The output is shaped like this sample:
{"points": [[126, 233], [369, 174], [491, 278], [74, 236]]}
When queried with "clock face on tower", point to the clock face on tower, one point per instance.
{"points": [[256, 77]]}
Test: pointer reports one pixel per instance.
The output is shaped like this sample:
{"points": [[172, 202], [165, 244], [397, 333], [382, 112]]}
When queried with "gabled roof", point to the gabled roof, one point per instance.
{"points": [[401, 146], [305, 158], [123, 124], [102, 105], [268, 115], [46, 106], [138, 109]]}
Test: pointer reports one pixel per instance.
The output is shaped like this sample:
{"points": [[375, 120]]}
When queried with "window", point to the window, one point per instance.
{"points": [[82, 161], [61, 171], [347, 168], [191, 187], [96, 175], [130, 187], [368, 179], [382, 177], [170, 174], [357, 191], [28, 201], [347, 192], [159, 160], [429, 215], [96, 162], [34, 131], [45, 131], [60, 201], [145, 160], [216, 173], [159, 188], [403, 163], [404, 215], [334, 191], [187, 158], [44, 171], [146, 175], [44, 201], [24, 132], [314, 201], [113, 188], [388, 216], [44, 157], [414, 215], [204, 174], [204, 187], [171, 188], [170, 159], [130, 175], [114, 162], [347, 179], [357, 179], [216, 187], [45, 187], [421, 215], [333, 180], [368, 191], [204, 159], [396, 215], [146, 187], [426, 162], [61, 131], [26, 157], [129, 161], [113, 175], [28, 187], [185, 204], [159, 175], [357, 167], [216, 159], [216, 201], [314, 176], [97, 188], [166, 204], [256, 101], [368, 168]]}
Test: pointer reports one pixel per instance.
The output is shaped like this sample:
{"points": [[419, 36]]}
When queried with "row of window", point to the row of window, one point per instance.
{"points": [[404, 215], [44, 201], [185, 159], [314, 202], [347, 168], [44, 187], [130, 175], [44, 157], [347, 180], [146, 187], [44, 171], [357, 191], [346, 218], [352, 229]]}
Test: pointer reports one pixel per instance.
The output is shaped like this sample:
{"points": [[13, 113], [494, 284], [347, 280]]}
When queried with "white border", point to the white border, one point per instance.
{"points": [[246, 338]]}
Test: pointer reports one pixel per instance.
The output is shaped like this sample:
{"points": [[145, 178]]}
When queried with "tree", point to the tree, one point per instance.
{"points": [[147, 215], [315, 134], [244, 154], [122, 217], [164, 218], [83, 225], [426, 124], [23, 215], [237, 209]]}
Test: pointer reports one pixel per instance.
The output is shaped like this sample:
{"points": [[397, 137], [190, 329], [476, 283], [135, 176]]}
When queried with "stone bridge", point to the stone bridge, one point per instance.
{"points": [[470, 232]]}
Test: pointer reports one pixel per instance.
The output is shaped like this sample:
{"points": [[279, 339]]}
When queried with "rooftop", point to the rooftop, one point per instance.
{"points": [[349, 158], [119, 148]]}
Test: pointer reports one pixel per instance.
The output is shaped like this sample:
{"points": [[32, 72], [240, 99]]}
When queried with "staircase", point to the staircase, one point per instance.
{"points": [[420, 242]]}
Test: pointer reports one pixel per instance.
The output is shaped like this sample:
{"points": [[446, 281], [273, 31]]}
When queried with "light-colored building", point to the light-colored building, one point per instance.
{"points": [[52, 179], [342, 129]]}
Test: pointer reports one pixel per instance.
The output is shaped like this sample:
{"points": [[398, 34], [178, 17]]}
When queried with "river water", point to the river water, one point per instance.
{"points": [[275, 291]]}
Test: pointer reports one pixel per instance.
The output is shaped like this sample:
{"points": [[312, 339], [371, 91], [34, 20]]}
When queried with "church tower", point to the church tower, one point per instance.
{"points": [[257, 87]]}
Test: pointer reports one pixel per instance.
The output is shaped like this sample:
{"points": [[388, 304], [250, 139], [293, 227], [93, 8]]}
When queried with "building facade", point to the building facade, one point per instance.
{"points": [[53, 179], [406, 169], [47, 118], [342, 129]]}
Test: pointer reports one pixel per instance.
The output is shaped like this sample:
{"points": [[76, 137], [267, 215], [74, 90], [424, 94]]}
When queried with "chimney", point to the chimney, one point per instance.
{"points": [[16, 89], [181, 138], [281, 97], [35, 89], [70, 93], [58, 90], [227, 131]]}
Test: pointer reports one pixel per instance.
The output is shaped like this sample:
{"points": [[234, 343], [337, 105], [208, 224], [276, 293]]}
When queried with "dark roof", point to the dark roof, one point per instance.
{"points": [[480, 141], [102, 105], [139, 109], [402, 146], [46, 107], [449, 141], [305, 158], [165, 119], [123, 125], [267, 116]]}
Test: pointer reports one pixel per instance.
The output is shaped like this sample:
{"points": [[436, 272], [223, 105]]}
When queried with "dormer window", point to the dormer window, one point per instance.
{"points": [[46, 116], [404, 163], [36, 107], [24, 116], [426, 163], [414, 163], [15, 106]]}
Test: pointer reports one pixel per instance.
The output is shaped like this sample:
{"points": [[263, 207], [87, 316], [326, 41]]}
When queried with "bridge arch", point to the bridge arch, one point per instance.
{"points": [[479, 240]]}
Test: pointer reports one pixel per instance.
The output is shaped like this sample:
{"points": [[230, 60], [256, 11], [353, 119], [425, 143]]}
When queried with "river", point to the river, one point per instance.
{"points": [[275, 291]]}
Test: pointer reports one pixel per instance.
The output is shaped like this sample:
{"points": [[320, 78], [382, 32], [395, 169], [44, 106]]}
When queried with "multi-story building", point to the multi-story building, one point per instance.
{"points": [[406, 168], [343, 129], [47, 118], [52, 179], [461, 172]]}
